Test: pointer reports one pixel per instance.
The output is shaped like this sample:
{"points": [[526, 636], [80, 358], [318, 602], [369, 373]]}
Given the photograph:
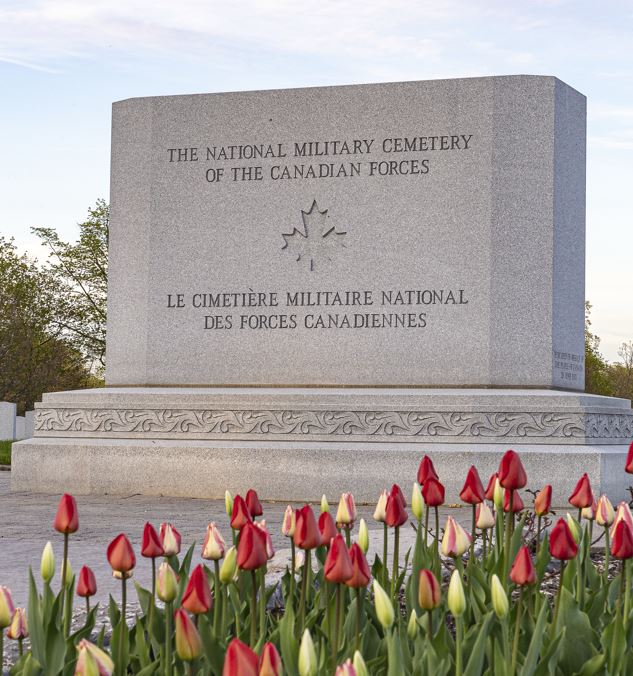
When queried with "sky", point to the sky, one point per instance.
{"points": [[63, 63]]}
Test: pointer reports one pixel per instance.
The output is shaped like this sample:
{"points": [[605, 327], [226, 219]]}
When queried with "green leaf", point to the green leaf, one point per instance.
{"points": [[475, 662], [394, 654], [579, 636], [121, 647], [592, 666], [214, 649], [36, 630], [288, 643], [543, 558], [534, 649], [113, 612], [547, 665]]}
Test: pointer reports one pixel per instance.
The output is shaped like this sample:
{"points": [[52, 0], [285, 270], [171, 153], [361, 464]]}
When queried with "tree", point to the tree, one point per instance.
{"points": [[622, 372], [34, 355], [597, 375], [80, 271]]}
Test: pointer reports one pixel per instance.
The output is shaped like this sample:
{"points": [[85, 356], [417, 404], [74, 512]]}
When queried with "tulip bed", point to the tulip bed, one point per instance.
{"points": [[463, 602]]}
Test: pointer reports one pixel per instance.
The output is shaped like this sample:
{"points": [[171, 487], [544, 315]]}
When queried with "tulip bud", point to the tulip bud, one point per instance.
{"points": [[489, 495], [170, 539], [289, 522], [395, 513], [47, 565], [429, 593], [228, 503], [346, 512], [6, 607], [417, 503], [543, 501], [228, 568], [18, 629], [151, 545], [456, 598], [628, 467], [92, 661], [299, 559], [604, 511], [384, 607], [498, 494], [426, 470], [307, 656], [517, 501], [456, 540], [412, 626], [66, 519], [269, 662], [188, 642], [251, 547], [121, 555], [499, 598], [363, 536], [327, 528], [485, 519], [360, 569], [622, 544], [473, 491], [69, 574], [582, 495], [562, 545], [433, 492], [338, 565], [240, 660], [511, 471], [167, 583], [214, 546], [307, 534], [574, 527], [268, 541], [623, 513], [87, 584], [197, 597], [381, 507], [325, 507], [345, 669], [589, 513], [359, 665], [252, 502], [523, 571]]}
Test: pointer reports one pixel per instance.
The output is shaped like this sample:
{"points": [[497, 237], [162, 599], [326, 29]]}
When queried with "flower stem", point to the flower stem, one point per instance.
{"points": [[473, 535], [262, 602], [337, 623], [253, 608], [87, 606], [396, 553], [358, 616], [168, 643], [458, 646], [123, 596], [291, 590], [385, 553], [538, 534], [509, 524], [348, 540], [302, 599], [429, 614], [627, 592], [217, 614], [437, 526], [559, 594], [517, 629], [607, 551], [64, 569], [426, 526], [20, 647]]}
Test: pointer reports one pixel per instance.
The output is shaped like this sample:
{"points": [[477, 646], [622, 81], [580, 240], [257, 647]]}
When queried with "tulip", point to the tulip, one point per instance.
{"points": [[325, 507], [562, 544], [511, 471], [170, 539], [384, 606], [66, 519], [151, 546], [253, 503], [167, 586], [346, 512], [426, 471], [240, 515], [345, 669], [360, 569], [86, 585], [623, 513], [582, 495], [456, 599], [228, 503], [628, 468], [381, 507], [289, 522], [363, 536], [523, 571], [270, 550], [429, 593], [622, 544], [92, 661], [498, 494], [456, 540], [589, 513], [18, 628], [306, 535], [307, 656], [543, 501], [6, 608], [327, 528], [359, 665], [473, 491], [517, 501], [122, 561], [228, 569], [417, 503], [574, 527], [604, 511], [485, 517], [197, 597], [251, 547], [489, 494], [338, 566], [269, 663], [188, 642], [433, 494], [47, 564], [240, 660], [499, 598], [214, 546], [395, 514], [69, 574]]}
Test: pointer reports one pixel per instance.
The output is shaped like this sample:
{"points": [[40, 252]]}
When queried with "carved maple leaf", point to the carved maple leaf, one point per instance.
{"points": [[317, 241]]}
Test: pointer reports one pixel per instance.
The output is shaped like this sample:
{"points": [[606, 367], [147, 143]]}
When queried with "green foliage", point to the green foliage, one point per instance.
{"points": [[5, 452]]}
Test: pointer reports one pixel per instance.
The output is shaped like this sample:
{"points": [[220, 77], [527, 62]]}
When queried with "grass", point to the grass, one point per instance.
{"points": [[5, 452]]}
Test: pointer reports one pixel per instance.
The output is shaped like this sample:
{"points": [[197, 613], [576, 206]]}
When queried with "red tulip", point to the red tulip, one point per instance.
{"points": [[66, 519], [240, 515], [582, 495], [360, 568], [188, 641], [629, 460], [240, 660], [327, 528], [543, 501], [270, 550], [253, 504], [197, 597], [473, 491], [622, 545], [338, 566], [121, 555], [151, 546], [562, 545], [170, 539], [87, 584], [307, 535], [251, 547], [433, 493], [523, 571], [426, 471], [490, 489], [395, 514], [517, 502], [269, 662], [429, 593], [511, 471]]}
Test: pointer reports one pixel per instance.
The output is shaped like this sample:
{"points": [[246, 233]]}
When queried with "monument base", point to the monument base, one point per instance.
{"points": [[295, 444]]}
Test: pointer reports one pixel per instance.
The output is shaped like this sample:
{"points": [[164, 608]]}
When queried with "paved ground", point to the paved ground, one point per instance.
{"points": [[26, 525]]}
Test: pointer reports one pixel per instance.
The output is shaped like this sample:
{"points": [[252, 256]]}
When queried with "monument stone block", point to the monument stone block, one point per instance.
{"points": [[7, 420]]}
